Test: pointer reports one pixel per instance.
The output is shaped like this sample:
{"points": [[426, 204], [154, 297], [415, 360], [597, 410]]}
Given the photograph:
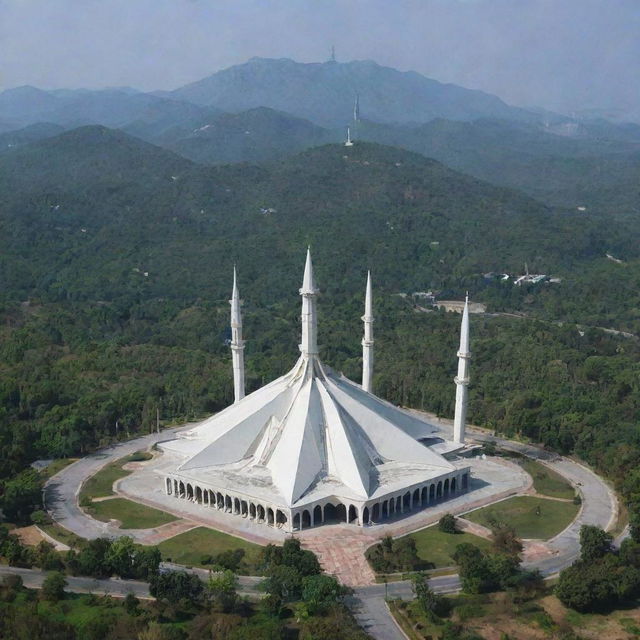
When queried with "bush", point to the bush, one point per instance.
{"points": [[390, 556], [448, 523], [53, 586], [40, 517]]}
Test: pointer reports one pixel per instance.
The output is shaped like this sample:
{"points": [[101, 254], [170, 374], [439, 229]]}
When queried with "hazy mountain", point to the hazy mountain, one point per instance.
{"points": [[256, 135], [31, 133], [325, 92], [109, 107]]}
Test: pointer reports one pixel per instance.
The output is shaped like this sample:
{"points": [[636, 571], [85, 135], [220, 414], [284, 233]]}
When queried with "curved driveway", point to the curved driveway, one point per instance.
{"points": [[599, 507]]}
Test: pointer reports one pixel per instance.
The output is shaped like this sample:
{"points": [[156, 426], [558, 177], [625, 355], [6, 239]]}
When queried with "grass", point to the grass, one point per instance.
{"points": [[56, 466], [130, 514], [188, 548], [531, 517], [100, 485], [436, 547], [547, 482], [63, 535]]}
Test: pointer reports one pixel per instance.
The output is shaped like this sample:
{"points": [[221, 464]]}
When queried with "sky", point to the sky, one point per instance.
{"points": [[563, 55]]}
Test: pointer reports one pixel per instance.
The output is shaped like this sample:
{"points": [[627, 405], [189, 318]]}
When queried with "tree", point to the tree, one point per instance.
{"points": [[585, 587], [120, 556], [174, 586], [447, 524], [505, 539], [430, 602], [22, 494], [284, 581], [321, 591], [223, 590], [53, 586], [594, 543]]}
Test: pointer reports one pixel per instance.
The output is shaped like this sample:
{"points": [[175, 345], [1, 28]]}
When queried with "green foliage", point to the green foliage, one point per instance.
{"points": [[481, 572], [595, 543], [447, 524], [21, 495], [320, 592], [176, 586], [53, 586], [223, 590], [433, 605], [390, 556]]}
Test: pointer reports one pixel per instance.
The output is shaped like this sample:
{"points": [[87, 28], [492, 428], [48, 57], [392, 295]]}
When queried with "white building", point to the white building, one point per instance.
{"points": [[313, 446]]}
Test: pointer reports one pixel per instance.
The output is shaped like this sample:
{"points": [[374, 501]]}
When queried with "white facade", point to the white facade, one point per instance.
{"points": [[312, 446]]}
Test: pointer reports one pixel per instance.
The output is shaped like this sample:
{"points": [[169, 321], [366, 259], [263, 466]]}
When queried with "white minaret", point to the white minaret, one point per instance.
{"points": [[367, 340], [309, 342], [462, 379], [349, 142], [237, 343]]}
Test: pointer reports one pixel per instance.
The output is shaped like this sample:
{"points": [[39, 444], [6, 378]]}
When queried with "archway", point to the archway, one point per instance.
{"points": [[317, 515], [244, 509], [252, 511], [465, 480], [169, 487], [306, 518], [453, 485], [353, 514], [392, 506], [219, 500], [260, 512], [198, 495], [365, 515], [182, 491], [296, 522], [281, 519], [439, 490], [406, 500], [236, 505], [375, 512], [228, 504], [270, 517], [330, 513], [432, 492], [446, 487], [424, 494], [416, 498], [189, 492], [341, 513]]}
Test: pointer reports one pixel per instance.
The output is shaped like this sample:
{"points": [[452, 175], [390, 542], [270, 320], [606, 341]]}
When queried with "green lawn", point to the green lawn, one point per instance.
{"points": [[547, 482], [436, 547], [188, 548], [100, 485], [131, 514], [62, 535], [522, 513]]}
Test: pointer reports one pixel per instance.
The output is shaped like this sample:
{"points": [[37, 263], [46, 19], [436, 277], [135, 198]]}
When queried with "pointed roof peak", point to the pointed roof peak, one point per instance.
{"points": [[234, 294], [308, 280], [464, 328], [368, 299]]}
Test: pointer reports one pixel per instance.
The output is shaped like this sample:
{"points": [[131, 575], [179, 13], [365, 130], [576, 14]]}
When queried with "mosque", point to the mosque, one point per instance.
{"points": [[312, 446]]}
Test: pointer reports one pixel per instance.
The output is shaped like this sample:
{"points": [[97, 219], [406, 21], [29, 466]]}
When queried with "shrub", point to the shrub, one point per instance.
{"points": [[448, 523]]}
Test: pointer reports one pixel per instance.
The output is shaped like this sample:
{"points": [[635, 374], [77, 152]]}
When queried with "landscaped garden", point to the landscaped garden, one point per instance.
{"points": [[530, 516], [199, 548], [130, 514]]}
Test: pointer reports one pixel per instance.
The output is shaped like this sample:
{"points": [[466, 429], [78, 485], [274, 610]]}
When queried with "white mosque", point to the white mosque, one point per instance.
{"points": [[314, 447]]}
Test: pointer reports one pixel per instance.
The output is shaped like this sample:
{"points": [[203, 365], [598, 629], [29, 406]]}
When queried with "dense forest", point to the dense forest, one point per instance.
{"points": [[116, 260]]}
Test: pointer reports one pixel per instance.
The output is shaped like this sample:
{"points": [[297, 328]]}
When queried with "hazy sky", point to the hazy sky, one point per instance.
{"points": [[560, 54]]}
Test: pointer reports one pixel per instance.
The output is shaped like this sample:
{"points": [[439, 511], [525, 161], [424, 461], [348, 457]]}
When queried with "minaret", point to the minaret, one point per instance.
{"points": [[367, 340], [309, 342], [462, 379], [237, 343], [349, 142]]}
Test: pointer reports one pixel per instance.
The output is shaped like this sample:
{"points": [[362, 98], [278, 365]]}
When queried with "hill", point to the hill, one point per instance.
{"points": [[325, 92], [68, 202]]}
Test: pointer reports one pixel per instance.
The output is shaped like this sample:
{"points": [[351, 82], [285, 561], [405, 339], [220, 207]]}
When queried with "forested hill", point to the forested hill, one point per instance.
{"points": [[116, 259], [84, 214]]}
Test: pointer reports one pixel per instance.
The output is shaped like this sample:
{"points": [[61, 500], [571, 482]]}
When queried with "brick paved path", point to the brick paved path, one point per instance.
{"points": [[340, 550]]}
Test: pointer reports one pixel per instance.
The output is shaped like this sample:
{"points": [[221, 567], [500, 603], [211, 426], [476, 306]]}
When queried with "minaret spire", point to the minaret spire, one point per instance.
{"points": [[367, 340], [462, 379], [309, 342], [237, 343]]}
